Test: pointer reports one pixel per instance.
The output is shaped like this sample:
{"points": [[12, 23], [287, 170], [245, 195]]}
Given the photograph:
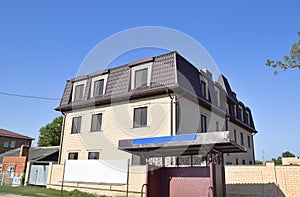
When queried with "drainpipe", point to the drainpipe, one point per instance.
{"points": [[62, 137], [172, 112], [253, 147]]}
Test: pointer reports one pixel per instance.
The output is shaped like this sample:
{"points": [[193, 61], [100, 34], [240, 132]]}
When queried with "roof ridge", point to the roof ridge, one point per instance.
{"points": [[5, 132]]}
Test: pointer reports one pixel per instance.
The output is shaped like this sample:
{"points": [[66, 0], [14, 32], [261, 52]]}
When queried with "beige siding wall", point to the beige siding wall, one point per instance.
{"points": [[230, 159], [190, 117], [262, 181], [117, 123], [191, 114], [291, 161]]}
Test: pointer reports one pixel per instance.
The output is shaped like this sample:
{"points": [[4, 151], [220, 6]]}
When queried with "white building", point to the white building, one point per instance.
{"points": [[159, 96]]}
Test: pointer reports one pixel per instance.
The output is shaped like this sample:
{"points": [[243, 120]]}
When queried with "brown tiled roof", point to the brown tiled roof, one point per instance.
{"points": [[171, 72], [163, 75], [6, 133]]}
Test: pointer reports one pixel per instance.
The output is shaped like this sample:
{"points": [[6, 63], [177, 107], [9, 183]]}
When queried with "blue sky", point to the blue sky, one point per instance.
{"points": [[42, 44]]}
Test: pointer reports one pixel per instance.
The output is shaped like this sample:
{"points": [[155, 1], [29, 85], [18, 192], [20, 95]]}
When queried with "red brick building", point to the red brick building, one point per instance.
{"points": [[10, 140]]}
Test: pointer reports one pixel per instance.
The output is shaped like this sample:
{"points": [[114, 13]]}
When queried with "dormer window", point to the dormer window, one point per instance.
{"points": [[247, 118], [241, 117], [78, 90], [218, 97], [203, 87], [98, 86], [141, 75]]}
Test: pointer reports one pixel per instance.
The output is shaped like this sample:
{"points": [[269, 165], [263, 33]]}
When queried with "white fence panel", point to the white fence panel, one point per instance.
{"points": [[38, 175], [112, 172]]}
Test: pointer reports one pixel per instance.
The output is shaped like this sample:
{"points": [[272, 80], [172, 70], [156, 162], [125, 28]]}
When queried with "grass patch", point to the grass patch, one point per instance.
{"points": [[36, 191]]}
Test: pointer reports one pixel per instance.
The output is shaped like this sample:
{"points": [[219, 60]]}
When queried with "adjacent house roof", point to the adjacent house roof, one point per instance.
{"points": [[35, 153], [6, 133]]}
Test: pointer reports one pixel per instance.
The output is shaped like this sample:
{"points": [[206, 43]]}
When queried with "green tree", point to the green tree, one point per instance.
{"points": [[258, 162], [284, 154], [278, 160], [50, 134], [289, 61], [287, 154]]}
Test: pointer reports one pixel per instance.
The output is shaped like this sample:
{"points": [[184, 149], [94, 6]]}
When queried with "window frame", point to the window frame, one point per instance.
{"points": [[203, 89], [141, 67], [234, 134], [242, 138], [94, 152], [73, 124], [93, 115], [98, 78], [75, 84], [247, 118], [144, 82], [249, 141], [240, 113], [98, 92], [6, 143], [217, 126], [218, 96], [12, 143], [235, 108], [135, 124], [10, 172], [81, 95], [73, 153], [203, 126]]}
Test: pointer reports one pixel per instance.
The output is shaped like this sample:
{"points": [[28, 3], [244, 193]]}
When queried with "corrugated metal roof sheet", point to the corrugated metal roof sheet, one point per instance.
{"points": [[35, 153]]}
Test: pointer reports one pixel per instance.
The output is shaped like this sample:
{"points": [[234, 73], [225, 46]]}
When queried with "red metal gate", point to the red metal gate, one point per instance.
{"points": [[185, 181], [189, 186]]}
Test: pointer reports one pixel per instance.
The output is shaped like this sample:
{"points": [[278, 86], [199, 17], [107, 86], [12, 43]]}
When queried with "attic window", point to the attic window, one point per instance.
{"points": [[240, 113], [98, 85], [246, 117], [203, 89], [218, 96], [140, 78], [79, 92], [141, 75]]}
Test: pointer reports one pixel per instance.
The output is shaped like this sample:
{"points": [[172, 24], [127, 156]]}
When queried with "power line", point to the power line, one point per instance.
{"points": [[28, 96]]}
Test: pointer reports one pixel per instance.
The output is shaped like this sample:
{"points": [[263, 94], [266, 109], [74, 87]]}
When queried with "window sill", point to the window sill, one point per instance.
{"points": [[96, 131], [140, 127]]}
